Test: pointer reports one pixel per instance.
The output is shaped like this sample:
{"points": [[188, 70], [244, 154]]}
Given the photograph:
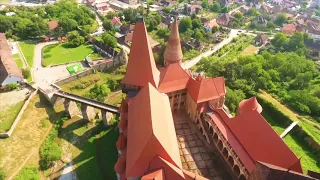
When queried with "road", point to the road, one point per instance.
{"points": [[190, 63]]}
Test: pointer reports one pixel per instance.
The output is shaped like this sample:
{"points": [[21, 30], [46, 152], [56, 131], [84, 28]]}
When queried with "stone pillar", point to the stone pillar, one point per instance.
{"points": [[88, 112], [106, 117], [71, 108]]}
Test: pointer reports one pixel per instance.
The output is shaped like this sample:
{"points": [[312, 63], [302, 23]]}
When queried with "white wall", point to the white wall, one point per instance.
{"points": [[11, 79]]}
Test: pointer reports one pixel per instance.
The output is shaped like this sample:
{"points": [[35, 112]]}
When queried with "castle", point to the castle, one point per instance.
{"points": [[171, 118]]}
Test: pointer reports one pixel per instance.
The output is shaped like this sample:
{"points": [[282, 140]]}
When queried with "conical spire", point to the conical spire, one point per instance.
{"points": [[141, 67], [173, 52]]}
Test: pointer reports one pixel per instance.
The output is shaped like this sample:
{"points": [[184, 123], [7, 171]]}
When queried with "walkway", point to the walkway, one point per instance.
{"points": [[90, 102], [190, 63]]}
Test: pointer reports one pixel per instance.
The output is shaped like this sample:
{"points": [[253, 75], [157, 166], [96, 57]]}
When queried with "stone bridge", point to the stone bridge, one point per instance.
{"points": [[87, 108]]}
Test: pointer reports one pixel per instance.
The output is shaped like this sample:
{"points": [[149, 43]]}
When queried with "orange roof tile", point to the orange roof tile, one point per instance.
{"points": [[156, 175], [123, 124], [173, 78], [170, 171], [53, 25], [121, 164], [206, 89], [173, 52], [257, 137], [150, 131], [192, 176], [121, 142], [250, 104], [141, 67]]}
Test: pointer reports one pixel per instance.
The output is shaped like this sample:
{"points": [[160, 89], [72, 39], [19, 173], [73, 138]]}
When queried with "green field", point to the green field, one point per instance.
{"points": [[8, 115], [309, 159], [18, 60], [74, 68], [28, 51], [61, 53], [94, 149]]}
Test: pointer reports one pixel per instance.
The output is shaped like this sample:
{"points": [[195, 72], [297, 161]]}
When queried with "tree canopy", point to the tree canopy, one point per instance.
{"points": [[109, 40]]}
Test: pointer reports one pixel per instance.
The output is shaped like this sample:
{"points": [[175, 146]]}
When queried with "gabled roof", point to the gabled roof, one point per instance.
{"points": [[173, 78], [156, 175], [289, 28], [173, 52], [250, 104], [171, 171], [211, 24], [116, 21], [141, 67], [53, 25], [206, 89], [258, 139], [151, 132]]}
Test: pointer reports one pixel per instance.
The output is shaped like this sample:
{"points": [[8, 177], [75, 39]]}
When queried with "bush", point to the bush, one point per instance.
{"points": [[28, 173], [2, 174], [50, 151], [13, 86], [26, 73]]}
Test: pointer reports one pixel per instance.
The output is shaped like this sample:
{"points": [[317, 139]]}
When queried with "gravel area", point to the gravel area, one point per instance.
{"points": [[11, 98]]}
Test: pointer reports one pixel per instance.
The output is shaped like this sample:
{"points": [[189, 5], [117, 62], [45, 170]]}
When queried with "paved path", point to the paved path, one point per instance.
{"points": [[190, 63], [288, 129]]}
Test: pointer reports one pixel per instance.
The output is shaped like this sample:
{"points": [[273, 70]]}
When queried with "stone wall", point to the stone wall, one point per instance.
{"points": [[16, 121], [74, 77], [102, 66]]}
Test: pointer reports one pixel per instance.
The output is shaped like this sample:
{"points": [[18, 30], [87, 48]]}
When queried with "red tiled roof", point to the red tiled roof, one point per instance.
{"points": [[121, 164], [250, 104], [141, 67], [289, 28], [253, 139], [173, 78], [173, 52], [116, 21], [171, 171], [53, 25], [206, 89], [151, 132], [10, 67], [156, 175], [102, 4], [211, 24], [121, 142]]}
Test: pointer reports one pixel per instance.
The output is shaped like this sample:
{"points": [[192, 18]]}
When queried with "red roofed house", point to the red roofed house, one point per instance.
{"points": [[210, 25], [101, 6], [167, 109], [53, 25], [9, 71], [116, 22], [289, 28]]}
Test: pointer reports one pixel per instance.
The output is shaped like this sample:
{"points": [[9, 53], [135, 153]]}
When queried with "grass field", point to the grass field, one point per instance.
{"points": [[18, 60], [7, 116], [22, 148], [308, 158], [311, 127], [95, 56], [62, 53], [249, 50], [28, 51], [93, 148]]}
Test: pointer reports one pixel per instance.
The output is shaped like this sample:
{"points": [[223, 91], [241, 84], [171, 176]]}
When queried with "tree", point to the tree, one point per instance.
{"points": [[198, 35], [280, 40], [67, 24], [6, 24], [26, 73], [28, 173], [50, 151], [110, 15], [75, 39], [225, 9], [107, 25], [109, 40], [233, 98], [215, 29], [99, 92], [204, 3], [281, 19], [302, 80], [271, 25], [185, 24], [2, 174], [215, 7], [163, 32], [196, 23], [253, 12], [167, 10]]}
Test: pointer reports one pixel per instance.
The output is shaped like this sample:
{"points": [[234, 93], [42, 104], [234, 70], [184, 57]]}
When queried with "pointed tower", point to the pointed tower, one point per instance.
{"points": [[141, 68], [173, 52]]}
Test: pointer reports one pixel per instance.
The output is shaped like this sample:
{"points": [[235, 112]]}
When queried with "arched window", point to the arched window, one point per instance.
{"points": [[236, 169], [242, 177], [230, 160]]}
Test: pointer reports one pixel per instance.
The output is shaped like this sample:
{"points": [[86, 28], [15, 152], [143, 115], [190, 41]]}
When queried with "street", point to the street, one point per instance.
{"points": [[190, 63]]}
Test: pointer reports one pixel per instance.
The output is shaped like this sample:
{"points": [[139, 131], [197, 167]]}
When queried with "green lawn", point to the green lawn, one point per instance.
{"points": [[8, 115], [95, 56], [28, 51], [309, 159], [18, 60], [61, 53], [93, 148]]}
